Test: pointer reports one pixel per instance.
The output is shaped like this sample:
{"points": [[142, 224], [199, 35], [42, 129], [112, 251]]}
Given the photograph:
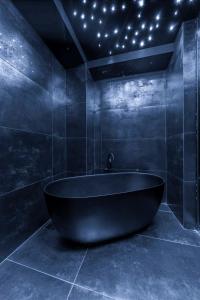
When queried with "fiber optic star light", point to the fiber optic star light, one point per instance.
{"points": [[122, 26]]}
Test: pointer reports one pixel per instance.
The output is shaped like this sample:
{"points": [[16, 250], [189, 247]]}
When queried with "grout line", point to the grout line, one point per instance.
{"points": [[29, 238], [57, 278], [77, 273], [26, 131], [166, 240], [39, 271]]}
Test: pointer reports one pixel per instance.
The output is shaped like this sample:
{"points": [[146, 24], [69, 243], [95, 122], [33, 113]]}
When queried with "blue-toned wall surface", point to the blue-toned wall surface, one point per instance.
{"points": [[76, 121], [132, 116], [93, 126], [182, 127], [32, 127]]}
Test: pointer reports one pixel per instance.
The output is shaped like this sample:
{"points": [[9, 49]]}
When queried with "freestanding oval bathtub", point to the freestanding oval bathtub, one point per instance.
{"points": [[96, 208]]}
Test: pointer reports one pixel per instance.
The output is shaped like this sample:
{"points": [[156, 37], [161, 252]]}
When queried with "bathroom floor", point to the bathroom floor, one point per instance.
{"points": [[161, 263]]}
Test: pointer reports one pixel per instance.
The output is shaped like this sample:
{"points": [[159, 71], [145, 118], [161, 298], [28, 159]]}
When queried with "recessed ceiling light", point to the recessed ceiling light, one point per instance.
{"points": [[117, 45], [84, 1], [116, 31], [150, 27], [171, 27], [141, 3], [129, 27], [157, 25], [136, 32], [176, 12], [133, 41], [85, 25], [98, 34], [94, 5], [92, 17], [123, 46], [100, 21], [75, 13], [139, 15], [123, 6], [142, 44], [157, 17], [113, 8], [110, 52], [106, 35], [99, 45], [150, 38], [143, 26], [82, 16], [126, 37], [104, 9]]}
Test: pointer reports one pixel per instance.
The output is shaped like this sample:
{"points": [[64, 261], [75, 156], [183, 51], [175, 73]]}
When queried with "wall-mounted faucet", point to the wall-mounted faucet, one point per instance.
{"points": [[109, 161]]}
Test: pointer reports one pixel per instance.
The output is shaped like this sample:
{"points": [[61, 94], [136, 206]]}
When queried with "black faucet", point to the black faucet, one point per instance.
{"points": [[110, 159]]}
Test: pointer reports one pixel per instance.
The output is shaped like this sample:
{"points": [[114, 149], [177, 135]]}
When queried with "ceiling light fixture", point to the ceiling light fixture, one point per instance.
{"points": [[116, 31]]}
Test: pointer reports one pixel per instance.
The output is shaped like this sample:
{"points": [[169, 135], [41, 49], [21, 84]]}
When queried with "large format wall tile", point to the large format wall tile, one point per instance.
{"points": [[139, 122], [59, 155], [24, 158], [76, 155], [143, 90], [141, 154], [22, 212], [17, 50], [181, 126], [76, 119], [24, 104], [32, 126]]}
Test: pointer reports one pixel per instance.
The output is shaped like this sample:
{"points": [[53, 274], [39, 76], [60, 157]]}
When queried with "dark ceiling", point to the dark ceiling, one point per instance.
{"points": [[113, 27], [45, 19], [109, 27]]}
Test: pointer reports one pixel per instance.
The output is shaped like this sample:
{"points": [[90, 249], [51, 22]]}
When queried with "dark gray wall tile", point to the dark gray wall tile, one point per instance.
{"points": [[59, 155], [24, 104], [25, 158], [76, 155], [17, 50], [22, 212], [142, 90], [141, 154], [76, 119], [141, 122], [190, 212]]}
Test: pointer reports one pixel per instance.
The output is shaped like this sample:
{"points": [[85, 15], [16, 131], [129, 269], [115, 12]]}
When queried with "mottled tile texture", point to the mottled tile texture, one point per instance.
{"points": [[160, 262], [32, 126], [181, 126]]}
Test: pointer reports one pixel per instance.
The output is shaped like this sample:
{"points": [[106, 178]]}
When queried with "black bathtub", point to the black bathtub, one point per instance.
{"points": [[90, 209]]}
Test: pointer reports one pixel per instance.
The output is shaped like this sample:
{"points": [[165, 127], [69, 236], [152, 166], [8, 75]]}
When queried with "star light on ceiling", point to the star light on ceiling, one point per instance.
{"points": [[142, 29]]}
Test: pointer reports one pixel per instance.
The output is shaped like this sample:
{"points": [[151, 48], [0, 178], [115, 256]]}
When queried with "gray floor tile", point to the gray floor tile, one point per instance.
{"points": [[47, 253], [19, 283], [166, 226], [143, 268], [83, 294]]}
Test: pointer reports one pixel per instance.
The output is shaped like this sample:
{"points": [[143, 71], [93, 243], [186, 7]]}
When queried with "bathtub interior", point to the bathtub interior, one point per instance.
{"points": [[102, 185]]}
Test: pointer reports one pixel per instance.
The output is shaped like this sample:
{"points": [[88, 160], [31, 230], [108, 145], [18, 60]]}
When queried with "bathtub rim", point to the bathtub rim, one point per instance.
{"points": [[100, 195]]}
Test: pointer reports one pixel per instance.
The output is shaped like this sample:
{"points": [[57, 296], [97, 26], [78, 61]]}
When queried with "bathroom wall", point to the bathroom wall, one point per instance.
{"points": [[132, 112], [76, 121], [182, 125], [32, 127], [93, 126]]}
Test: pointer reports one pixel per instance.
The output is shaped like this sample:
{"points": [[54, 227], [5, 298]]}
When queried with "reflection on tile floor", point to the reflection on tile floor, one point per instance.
{"points": [[162, 262]]}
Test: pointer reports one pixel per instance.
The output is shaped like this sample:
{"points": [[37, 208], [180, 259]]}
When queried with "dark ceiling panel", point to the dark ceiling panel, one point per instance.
{"points": [[43, 16], [155, 21], [136, 66]]}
